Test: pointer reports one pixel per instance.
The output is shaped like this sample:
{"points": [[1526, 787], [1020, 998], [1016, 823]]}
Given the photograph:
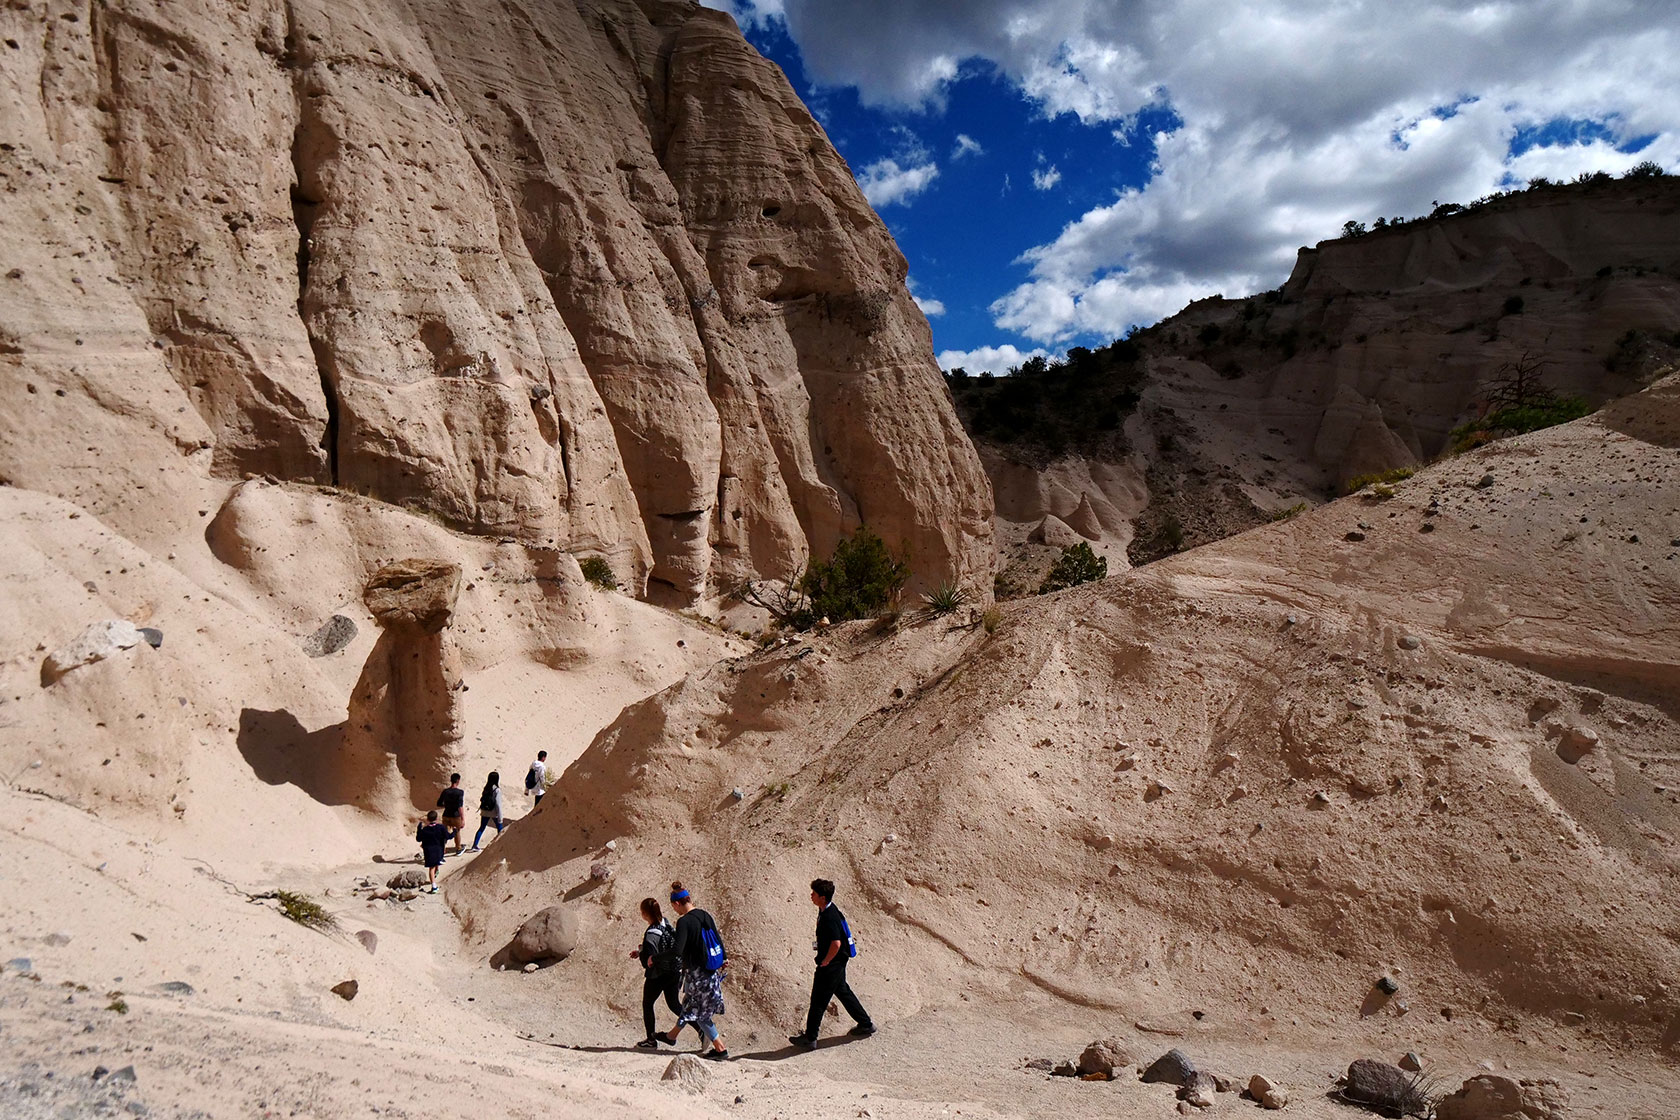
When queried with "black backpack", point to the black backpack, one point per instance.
{"points": [[487, 801], [663, 940], [531, 777]]}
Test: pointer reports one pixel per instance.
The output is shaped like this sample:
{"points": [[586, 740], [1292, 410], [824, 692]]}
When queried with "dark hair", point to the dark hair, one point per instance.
{"points": [[542, 755], [823, 887], [431, 814], [651, 910], [491, 782], [679, 893], [454, 778]]}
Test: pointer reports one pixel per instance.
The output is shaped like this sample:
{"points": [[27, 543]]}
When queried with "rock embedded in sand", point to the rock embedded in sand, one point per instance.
{"points": [[346, 990], [1493, 1097], [688, 1071], [1575, 743], [1268, 1092], [1410, 1062], [332, 636], [368, 939], [1378, 1085], [1172, 1068], [548, 935], [96, 642], [407, 878]]}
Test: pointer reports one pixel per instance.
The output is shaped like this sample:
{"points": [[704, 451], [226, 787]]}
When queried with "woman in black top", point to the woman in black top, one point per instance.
{"points": [[702, 985], [660, 975]]}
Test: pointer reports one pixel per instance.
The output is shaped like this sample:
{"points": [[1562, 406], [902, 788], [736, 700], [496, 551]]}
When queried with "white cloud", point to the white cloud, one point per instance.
{"points": [[885, 183], [930, 307], [966, 146], [1046, 177], [997, 359], [1296, 115]]}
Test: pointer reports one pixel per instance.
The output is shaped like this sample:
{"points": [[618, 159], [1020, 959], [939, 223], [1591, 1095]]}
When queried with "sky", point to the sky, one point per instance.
{"points": [[1057, 171]]}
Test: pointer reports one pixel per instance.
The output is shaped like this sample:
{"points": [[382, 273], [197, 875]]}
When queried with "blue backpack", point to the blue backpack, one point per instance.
{"points": [[851, 942], [715, 956]]}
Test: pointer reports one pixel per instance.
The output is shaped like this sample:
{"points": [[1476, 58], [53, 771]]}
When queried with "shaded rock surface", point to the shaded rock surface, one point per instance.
{"points": [[548, 935], [1490, 1096], [97, 642]]}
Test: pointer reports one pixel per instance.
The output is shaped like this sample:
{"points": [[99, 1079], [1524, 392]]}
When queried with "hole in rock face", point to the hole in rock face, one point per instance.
{"points": [[760, 262], [771, 209]]}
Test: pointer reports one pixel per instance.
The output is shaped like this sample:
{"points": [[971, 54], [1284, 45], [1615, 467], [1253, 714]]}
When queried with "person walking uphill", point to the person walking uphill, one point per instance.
{"points": [[453, 802], [661, 973], [700, 951], [536, 779], [489, 807], [835, 948], [432, 837]]}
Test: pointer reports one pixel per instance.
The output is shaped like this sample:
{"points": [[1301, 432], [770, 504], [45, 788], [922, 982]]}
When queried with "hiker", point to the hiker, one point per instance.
{"points": [[453, 802], [489, 807], [432, 837], [660, 974], [536, 778], [700, 951], [834, 947]]}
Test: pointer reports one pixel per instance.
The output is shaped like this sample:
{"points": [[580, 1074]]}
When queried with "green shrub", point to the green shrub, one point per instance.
{"points": [[303, 910], [991, 618], [1359, 482], [1076, 565], [860, 580], [1293, 511], [945, 598], [597, 571], [1518, 420]]}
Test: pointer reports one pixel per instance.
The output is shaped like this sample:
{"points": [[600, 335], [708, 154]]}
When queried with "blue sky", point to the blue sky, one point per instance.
{"points": [[1056, 170]]}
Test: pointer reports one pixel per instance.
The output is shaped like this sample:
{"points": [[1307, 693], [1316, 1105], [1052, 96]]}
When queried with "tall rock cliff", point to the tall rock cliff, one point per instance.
{"points": [[585, 275]]}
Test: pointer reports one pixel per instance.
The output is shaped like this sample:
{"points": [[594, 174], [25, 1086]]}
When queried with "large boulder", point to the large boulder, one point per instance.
{"points": [[547, 935], [1172, 1068], [1489, 1096], [95, 643], [414, 593]]}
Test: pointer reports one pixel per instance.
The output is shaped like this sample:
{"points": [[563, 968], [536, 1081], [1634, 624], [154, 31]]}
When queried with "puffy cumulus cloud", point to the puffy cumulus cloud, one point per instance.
{"points": [[993, 359], [930, 307], [1295, 115], [1045, 177], [885, 183]]}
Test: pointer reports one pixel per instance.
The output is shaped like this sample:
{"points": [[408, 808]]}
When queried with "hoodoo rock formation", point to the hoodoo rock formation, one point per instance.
{"points": [[593, 280], [406, 708]]}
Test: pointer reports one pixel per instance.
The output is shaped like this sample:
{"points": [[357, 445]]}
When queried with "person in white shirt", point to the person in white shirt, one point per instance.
{"points": [[536, 779]]}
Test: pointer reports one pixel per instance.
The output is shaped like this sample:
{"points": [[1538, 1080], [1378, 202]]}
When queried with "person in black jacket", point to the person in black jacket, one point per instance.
{"points": [[834, 948], [660, 975], [432, 837], [453, 803], [702, 978]]}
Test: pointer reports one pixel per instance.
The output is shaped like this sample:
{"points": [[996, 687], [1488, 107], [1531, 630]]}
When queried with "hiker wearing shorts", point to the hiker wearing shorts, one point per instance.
{"points": [[700, 950], [453, 802], [432, 837], [834, 949]]}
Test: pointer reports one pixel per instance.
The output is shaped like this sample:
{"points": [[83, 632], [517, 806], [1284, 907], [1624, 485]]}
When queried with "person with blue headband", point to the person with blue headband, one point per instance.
{"points": [[700, 951]]}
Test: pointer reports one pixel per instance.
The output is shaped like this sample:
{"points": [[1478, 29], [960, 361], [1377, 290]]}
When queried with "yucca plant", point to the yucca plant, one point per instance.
{"points": [[945, 598]]}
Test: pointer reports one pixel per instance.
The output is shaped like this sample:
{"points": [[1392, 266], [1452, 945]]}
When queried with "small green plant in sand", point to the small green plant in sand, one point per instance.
{"points": [[1359, 482], [597, 571], [305, 911], [1293, 511], [945, 598], [991, 618]]}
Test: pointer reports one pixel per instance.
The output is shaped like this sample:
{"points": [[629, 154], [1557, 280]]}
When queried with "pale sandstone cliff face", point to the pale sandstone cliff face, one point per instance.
{"points": [[586, 277]]}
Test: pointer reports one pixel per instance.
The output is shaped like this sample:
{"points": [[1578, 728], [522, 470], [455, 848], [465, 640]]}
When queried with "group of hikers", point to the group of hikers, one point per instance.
{"points": [[683, 964], [692, 951], [433, 834]]}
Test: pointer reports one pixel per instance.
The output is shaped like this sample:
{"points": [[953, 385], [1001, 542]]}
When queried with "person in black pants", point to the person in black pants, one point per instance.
{"points": [[834, 948], [660, 976]]}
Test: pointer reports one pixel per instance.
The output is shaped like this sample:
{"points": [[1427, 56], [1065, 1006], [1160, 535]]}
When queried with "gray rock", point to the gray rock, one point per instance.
{"points": [[1484, 482], [1380, 1086], [600, 871], [125, 1076], [346, 990], [20, 964], [173, 988], [1065, 1069], [1107, 1055], [1410, 641], [688, 1071], [1575, 743], [369, 940], [1041, 1065], [1387, 985], [334, 634], [407, 878], [153, 636], [1172, 1068]]}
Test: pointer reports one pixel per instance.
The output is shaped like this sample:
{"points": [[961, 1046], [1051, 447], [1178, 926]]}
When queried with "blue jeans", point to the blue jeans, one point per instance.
{"points": [[484, 823]]}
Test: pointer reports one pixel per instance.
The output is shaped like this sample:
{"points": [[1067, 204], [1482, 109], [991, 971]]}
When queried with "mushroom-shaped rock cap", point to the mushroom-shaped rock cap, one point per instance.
{"points": [[414, 592]]}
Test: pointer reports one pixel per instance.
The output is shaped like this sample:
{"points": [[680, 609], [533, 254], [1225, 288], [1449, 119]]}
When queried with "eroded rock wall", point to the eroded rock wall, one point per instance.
{"points": [[588, 277]]}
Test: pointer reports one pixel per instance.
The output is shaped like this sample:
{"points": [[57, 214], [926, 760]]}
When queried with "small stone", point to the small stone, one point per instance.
{"points": [[1040, 1065], [1319, 797], [1289, 620], [1410, 641], [20, 964], [124, 1076], [1065, 1069], [1575, 743], [173, 988], [406, 878], [599, 871], [1156, 788], [688, 1071], [57, 939], [1574, 1018], [1268, 1092], [153, 636], [1410, 1062], [737, 794], [346, 990], [406, 896], [1388, 985], [531, 966], [369, 940], [1105, 1056], [1365, 525], [1353, 535], [1484, 482]]}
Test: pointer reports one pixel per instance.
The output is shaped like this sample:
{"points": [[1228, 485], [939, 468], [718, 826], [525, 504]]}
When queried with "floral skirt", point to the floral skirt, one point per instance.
{"points": [[702, 996]]}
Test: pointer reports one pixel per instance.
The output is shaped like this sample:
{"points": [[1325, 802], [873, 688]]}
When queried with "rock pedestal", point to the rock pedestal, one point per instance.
{"points": [[406, 707]]}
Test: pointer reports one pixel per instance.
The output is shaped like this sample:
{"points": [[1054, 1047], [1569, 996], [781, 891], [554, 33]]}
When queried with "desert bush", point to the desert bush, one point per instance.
{"points": [[991, 618], [305, 911], [1359, 482], [860, 580], [597, 571], [1286, 514], [1076, 565]]}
